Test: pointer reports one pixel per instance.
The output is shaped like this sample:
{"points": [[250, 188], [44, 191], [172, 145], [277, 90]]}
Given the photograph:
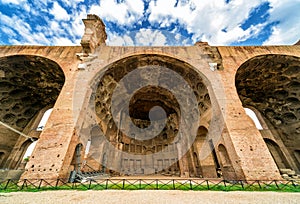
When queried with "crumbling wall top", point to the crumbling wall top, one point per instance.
{"points": [[94, 34]]}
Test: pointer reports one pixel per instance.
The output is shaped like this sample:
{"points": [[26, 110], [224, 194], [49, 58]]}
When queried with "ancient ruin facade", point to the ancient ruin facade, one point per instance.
{"points": [[176, 111]]}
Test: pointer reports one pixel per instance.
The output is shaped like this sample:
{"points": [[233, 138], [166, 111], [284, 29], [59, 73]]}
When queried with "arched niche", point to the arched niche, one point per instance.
{"points": [[224, 157], [29, 84], [206, 155], [276, 148], [227, 169], [76, 163], [277, 154], [141, 103], [2, 156], [297, 155], [24, 153]]}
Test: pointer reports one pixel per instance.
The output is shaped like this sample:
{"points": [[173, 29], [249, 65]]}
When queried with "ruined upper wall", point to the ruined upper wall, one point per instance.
{"points": [[94, 34], [64, 56], [70, 58], [227, 57], [232, 57]]}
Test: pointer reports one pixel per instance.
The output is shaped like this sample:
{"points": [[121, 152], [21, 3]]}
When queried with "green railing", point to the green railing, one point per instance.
{"points": [[149, 184]]}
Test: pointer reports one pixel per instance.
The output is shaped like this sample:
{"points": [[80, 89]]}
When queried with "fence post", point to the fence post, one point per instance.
{"points": [[106, 185], [90, 184], [156, 184], [56, 183], [140, 184], [242, 184], [276, 184], [40, 183], [191, 186], [123, 184], [207, 184], [7, 184], [224, 183], [23, 184], [259, 184], [173, 185]]}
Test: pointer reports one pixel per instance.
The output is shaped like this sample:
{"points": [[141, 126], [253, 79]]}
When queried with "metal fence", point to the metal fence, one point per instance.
{"points": [[149, 184]]}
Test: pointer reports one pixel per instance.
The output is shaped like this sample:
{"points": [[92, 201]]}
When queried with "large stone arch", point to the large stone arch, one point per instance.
{"points": [[208, 164], [142, 101], [277, 154], [28, 85], [76, 163], [271, 84]]}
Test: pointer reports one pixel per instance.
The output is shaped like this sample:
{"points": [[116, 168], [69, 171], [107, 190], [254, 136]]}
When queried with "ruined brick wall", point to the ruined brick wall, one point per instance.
{"points": [[223, 79]]}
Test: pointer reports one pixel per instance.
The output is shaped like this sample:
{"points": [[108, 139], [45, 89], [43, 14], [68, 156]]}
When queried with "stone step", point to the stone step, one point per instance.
{"points": [[285, 171]]}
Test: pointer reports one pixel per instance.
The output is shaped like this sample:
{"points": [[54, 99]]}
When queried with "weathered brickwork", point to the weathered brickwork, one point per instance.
{"points": [[81, 84]]}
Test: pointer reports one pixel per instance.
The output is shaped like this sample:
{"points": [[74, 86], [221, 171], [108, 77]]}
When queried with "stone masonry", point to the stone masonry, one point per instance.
{"points": [[86, 129]]}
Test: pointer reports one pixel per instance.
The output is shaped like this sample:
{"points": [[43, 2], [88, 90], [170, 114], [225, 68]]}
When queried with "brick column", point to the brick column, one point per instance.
{"points": [[55, 148], [246, 148]]}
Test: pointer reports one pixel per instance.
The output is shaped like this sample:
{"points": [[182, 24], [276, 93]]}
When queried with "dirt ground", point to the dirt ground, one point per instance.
{"points": [[148, 196]]}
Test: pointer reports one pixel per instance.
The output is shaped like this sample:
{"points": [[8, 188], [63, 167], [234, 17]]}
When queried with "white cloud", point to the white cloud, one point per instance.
{"points": [[59, 12], [135, 6], [124, 13], [143, 37], [39, 6], [206, 19], [54, 26], [287, 13], [77, 27], [24, 30], [55, 32], [8, 31], [72, 3], [62, 41], [236, 34], [115, 40], [18, 2], [148, 37]]}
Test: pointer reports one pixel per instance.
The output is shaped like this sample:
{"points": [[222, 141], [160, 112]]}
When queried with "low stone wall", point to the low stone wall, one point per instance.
{"points": [[10, 174]]}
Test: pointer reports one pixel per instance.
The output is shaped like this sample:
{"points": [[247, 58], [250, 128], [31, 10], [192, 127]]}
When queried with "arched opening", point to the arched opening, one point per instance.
{"points": [[25, 151], [297, 155], [148, 105], [277, 154], [44, 120], [225, 162], [270, 84], [254, 118], [198, 172], [29, 150], [2, 155], [29, 85], [77, 158], [209, 164]]}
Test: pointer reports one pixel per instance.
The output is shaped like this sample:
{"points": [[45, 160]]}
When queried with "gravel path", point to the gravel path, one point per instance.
{"points": [[148, 196]]}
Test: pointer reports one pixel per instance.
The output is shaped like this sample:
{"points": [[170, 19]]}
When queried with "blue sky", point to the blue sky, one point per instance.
{"points": [[152, 22]]}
